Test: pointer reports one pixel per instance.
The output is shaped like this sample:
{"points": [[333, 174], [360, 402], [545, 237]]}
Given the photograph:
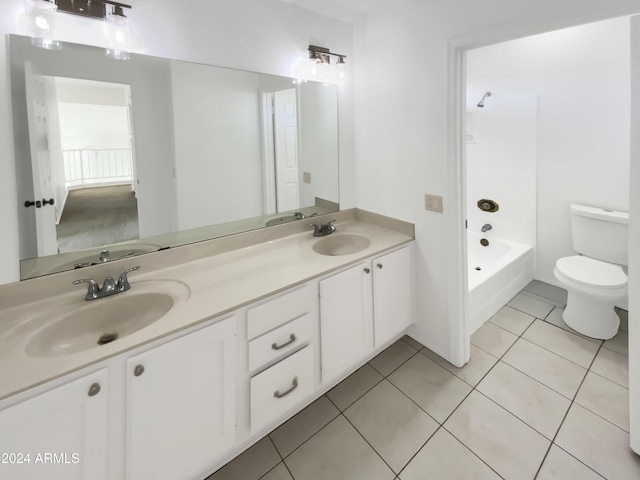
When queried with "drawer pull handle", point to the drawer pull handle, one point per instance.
{"points": [[379, 266], [292, 338], [366, 270], [294, 385], [139, 370]]}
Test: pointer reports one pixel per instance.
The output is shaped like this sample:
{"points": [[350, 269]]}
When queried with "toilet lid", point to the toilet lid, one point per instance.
{"points": [[591, 272]]}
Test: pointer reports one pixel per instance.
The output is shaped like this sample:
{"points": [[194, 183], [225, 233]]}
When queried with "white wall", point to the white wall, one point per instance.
{"points": [[402, 144], [581, 76], [259, 35], [501, 163], [108, 128], [218, 151], [318, 143]]}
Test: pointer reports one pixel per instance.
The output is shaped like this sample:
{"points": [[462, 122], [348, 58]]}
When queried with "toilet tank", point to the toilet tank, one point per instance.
{"points": [[600, 233]]}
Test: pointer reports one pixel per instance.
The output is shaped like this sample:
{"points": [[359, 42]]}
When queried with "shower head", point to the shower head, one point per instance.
{"points": [[481, 102]]}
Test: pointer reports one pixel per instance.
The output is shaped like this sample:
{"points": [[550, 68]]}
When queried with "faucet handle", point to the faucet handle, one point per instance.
{"points": [[92, 290], [123, 281]]}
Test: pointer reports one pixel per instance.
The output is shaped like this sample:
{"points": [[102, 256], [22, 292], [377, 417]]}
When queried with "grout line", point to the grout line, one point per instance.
{"points": [[474, 453], [557, 354], [573, 400], [310, 437], [340, 410], [529, 313], [396, 368], [275, 446], [341, 413], [474, 389], [606, 378], [368, 443]]}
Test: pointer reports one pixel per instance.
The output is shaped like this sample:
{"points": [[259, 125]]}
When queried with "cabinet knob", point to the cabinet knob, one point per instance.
{"points": [[139, 370], [94, 389], [379, 265], [366, 270]]}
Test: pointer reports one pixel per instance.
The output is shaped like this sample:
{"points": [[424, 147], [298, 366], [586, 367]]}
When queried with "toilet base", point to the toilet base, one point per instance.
{"points": [[595, 318]]}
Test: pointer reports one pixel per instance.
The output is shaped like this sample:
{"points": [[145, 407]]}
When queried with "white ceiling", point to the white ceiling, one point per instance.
{"points": [[345, 10], [478, 14]]}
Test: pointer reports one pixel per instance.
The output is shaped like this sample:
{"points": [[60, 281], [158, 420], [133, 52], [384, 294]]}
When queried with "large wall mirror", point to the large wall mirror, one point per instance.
{"points": [[119, 158]]}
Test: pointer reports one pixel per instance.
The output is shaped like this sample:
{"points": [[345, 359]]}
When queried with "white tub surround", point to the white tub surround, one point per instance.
{"points": [[496, 273]]}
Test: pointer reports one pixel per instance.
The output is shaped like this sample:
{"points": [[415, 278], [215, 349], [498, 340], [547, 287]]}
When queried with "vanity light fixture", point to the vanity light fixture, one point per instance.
{"points": [[42, 18], [318, 66], [42, 24]]}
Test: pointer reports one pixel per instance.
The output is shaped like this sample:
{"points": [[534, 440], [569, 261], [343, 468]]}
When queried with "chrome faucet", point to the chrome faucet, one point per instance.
{"points": [[324, 229], [486, 227], [109, 286]]}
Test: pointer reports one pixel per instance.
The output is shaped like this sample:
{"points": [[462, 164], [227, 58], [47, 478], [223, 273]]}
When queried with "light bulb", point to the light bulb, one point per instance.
{"points": [[119, 35], [42, 24]]}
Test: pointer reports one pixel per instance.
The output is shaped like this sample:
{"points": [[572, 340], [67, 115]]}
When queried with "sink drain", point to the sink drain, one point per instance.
{"points": [[107, 338]]}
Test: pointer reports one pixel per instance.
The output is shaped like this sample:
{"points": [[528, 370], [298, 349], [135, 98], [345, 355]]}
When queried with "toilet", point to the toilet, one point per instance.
{"points": [[594, 278]]}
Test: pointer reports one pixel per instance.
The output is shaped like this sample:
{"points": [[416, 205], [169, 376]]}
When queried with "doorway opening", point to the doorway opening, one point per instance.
{"points": [[91, 165]]}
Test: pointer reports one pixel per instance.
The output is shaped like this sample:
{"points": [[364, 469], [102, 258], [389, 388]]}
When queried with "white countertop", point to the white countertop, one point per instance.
{"points": [[215, 285]]}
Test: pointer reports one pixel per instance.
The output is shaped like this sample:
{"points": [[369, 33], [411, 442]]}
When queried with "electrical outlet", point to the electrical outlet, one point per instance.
{"points": [[433, 203], [306, 177]]}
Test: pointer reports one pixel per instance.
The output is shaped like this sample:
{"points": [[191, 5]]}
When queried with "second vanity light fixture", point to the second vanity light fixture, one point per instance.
{"points": [[42, 16], [318, 66]]}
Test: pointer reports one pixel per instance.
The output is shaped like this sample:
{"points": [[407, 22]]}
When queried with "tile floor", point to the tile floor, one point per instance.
{"points": [[536, 401]]}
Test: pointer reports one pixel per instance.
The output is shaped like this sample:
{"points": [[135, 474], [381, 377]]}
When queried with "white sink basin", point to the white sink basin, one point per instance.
{"points": [[105, 320], [341, 244]]}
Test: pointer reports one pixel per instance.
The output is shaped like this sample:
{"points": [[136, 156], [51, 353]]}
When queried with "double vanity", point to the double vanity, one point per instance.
{"points": [[214, 345]]}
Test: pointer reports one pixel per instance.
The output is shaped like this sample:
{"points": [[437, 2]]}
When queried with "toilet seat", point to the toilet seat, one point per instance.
{"points": [[591, 272]]}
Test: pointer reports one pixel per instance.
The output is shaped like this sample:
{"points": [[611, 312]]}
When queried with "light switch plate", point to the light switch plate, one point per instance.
{"points": [[306, 177], [433, 203]]}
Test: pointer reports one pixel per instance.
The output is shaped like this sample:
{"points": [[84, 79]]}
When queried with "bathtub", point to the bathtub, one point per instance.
{"points": [[496, 274]]}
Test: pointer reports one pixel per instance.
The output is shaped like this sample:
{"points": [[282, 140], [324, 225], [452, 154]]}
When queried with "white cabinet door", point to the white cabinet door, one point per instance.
{"points": [[59, 434], [181, 408], [392, 294], [345, 320]]}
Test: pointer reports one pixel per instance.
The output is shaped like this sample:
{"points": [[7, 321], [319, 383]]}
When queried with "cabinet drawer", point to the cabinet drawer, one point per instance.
{"points": [[281, 387], [279, 342], [276, 312]]}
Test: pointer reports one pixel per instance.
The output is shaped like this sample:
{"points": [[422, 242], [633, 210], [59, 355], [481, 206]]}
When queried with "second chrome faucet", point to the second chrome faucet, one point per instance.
{"points": [[109, 286], [323, 229]]}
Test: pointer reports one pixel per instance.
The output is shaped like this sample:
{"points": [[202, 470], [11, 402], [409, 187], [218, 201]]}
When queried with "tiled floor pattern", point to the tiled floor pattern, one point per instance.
{"points": [[536, 401]]}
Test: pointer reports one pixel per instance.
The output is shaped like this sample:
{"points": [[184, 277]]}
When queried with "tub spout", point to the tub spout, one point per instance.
{"points": [[486, 227]]}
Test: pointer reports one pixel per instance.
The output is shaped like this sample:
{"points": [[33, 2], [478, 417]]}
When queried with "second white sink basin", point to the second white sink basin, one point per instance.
{"points": [[102, 321], [341, 244]]}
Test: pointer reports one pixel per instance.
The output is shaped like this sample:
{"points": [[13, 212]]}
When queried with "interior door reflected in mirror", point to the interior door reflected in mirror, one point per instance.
{"points": [[153, 153]]}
